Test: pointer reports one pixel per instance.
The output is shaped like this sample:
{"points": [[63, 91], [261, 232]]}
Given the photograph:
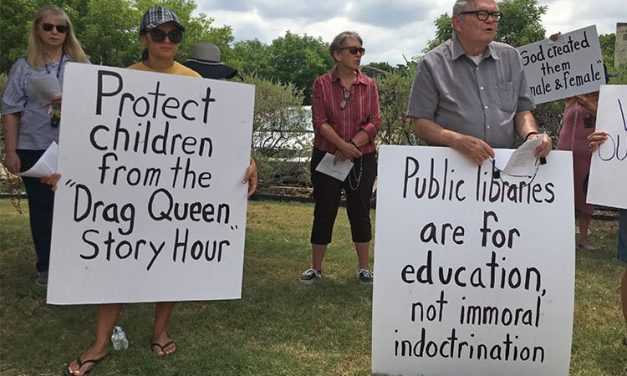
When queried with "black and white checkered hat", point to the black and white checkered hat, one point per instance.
{"points": [[158, 16]]}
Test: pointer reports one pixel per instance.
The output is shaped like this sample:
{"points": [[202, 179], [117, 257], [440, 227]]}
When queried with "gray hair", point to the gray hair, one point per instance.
{"points": [[339, 39], [460, 6]]}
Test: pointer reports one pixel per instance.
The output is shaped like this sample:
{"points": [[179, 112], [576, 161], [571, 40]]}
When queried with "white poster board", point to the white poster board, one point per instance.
{"points": [[151, 205], [570, 66], [474, 272], [607, 184]]}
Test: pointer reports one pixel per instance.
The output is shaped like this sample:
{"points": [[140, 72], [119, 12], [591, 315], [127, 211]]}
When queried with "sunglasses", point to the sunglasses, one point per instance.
{"points": [[353, 50], [60, 28], [158, 35]]}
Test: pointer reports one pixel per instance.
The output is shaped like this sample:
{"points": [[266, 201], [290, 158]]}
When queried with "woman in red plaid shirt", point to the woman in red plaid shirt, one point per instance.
{"points": [[346, 119]]}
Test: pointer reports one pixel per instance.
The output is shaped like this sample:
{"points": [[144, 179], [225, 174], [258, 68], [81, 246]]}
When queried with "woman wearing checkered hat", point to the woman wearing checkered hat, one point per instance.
{"points": [[161, 33]]}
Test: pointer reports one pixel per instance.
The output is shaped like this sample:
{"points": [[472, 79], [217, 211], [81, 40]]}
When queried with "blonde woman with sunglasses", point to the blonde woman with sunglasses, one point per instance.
{"points": [[31, 122]]}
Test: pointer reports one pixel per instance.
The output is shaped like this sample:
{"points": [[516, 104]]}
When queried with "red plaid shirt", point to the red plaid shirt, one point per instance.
{"points": [[361, 110]]}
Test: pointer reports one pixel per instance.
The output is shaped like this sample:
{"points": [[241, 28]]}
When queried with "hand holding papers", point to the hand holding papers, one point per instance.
{"points": [[523, 160], [339, 170], [47, 87], [46, 165]]}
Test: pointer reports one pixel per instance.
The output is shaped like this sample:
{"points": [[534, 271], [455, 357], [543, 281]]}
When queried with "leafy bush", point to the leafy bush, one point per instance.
{"points": [[281, 154], [394, 90]]}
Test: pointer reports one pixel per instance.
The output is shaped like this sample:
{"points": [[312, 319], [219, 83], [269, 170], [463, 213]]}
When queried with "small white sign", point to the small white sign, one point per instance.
{"points": [[474, 271], [570, 66], [607, 183], [338, 170], [46, 87], [151, 205], [523, 161], [45, 165]]}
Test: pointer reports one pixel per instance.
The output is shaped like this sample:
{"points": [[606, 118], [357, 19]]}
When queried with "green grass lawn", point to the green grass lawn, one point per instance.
{"points": [[279, 327]]}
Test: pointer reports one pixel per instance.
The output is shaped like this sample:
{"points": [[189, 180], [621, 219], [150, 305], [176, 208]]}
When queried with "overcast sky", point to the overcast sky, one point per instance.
{"points": [[391, 29]]}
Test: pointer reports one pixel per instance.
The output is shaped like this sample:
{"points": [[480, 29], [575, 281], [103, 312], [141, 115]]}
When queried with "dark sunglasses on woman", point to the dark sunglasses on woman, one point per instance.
{"points": [[60, 28], [353, 50], [158, 35]]}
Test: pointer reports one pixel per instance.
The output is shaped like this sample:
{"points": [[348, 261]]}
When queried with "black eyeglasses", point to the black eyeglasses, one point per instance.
{"points": [[344, 101], [60, 28], [353, 50], [158, 35], [497, 172], [483, 15]]}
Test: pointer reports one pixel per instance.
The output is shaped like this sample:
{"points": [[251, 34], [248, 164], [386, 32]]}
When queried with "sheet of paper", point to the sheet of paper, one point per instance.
{"points": [[46, 87], [46, 165], [339, 170], [523, 160]]}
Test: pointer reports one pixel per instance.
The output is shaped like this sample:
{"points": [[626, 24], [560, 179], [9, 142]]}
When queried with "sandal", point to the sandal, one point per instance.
{"points": [[81, 363], [162, 348]]}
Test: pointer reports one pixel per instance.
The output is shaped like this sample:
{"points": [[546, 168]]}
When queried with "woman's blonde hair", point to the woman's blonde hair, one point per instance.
{"points": [[71, 46]]}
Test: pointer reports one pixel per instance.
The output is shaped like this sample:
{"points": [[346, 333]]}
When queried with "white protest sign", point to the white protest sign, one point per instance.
{"points": [[607, 184], [151, 205], [474, 271], [570, 66]]}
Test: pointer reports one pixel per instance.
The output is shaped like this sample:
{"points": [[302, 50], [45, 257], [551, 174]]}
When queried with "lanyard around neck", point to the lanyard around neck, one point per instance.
{"points": [[58, 68]]}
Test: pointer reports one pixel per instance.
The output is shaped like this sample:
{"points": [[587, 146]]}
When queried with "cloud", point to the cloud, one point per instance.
{"points": [[567, 15], [278, 10], [391, 13], [391, 29]]}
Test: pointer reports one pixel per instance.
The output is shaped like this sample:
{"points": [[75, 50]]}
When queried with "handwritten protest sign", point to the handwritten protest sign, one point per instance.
{"points": [[474, 270], [570, 66], [608, 169], [151, 205]]}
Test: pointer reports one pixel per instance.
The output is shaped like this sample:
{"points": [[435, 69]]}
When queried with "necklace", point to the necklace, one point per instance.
{"points": [[356, 175], [54, 110], [58, 68]]}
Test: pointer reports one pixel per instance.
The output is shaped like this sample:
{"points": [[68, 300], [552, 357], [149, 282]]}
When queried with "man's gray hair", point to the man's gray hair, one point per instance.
{"points": [[460, 6], [339, 39]]}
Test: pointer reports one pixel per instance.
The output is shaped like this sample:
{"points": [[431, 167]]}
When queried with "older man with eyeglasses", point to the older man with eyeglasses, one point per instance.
{"points": [[470, 93]]}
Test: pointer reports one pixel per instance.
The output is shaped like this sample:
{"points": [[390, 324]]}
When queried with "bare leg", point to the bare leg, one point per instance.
{"points": [[583, 221], [108, 315], [362, 254], [160, 330], [317, 255]]}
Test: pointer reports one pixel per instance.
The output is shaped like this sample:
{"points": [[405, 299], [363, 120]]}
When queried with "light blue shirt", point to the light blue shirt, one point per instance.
{"points": [[34, 132], [480, 100]]}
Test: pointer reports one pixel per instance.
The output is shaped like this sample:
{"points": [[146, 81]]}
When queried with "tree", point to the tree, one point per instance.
{"points": [[608, 41], [519, 25], [394, 89], [251, 57], [298, 60], [111, 38], [15, 21], [443, 32]]}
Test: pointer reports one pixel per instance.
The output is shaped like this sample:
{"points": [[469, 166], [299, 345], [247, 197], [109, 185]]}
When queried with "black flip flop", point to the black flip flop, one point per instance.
{"points": [[81, 363], [161, 347]]}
